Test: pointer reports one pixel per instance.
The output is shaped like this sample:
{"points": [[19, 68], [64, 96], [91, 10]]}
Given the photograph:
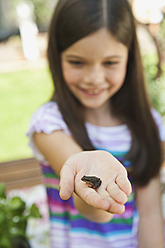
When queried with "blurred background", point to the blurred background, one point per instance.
{"points": [[25, 84], [24, 79]]}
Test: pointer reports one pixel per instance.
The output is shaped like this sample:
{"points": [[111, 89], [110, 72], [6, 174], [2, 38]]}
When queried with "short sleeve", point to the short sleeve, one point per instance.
{"points": [[160, 124], [47, 118]]}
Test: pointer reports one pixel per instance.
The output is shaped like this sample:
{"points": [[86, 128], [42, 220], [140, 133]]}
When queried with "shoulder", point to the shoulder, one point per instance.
{"points": [[47, 118], [48, 109], [157, 116], [159, 122]]}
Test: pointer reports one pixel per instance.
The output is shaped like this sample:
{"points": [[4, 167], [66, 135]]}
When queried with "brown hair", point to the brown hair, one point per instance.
{"points": [[75, 19]]}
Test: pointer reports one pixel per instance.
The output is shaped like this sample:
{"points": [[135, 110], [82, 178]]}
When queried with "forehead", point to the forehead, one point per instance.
{"points": [[98, 44]]}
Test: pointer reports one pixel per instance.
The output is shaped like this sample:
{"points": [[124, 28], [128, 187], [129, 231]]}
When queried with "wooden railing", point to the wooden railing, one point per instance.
{"points": [[20, 173]]}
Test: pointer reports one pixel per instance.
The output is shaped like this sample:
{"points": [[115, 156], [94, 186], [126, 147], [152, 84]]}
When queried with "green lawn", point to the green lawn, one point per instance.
{"points": [[21, 93]]}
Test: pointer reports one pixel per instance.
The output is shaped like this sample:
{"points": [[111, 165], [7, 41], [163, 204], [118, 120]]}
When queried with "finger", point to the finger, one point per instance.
{"points": [[92, 198], [124, 184], [66, 182], [103, 193], [116, 208], [116, 193]]}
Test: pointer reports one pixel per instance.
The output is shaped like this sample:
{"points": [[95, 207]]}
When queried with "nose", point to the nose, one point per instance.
{"points": [[94, 75]]}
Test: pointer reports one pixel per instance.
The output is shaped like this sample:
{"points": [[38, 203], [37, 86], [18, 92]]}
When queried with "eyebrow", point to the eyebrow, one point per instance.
{"points": [[114, 57], [73, 57], [78, 57]]}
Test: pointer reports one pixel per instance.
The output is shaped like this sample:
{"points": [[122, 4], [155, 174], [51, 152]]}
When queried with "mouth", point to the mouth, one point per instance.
{"points": [[91, 92]]}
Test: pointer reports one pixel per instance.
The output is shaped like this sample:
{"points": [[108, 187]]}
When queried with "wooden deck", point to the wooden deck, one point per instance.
{"points": [[20, 173]]}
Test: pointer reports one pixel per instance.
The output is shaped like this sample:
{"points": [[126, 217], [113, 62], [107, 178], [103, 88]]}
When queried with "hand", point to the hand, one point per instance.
{"points": [[111, 195]]}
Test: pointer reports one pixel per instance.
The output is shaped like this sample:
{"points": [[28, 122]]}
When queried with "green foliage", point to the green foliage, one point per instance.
{"points": [[14, 215], [42, 11], [155, 86], [2, 191]]}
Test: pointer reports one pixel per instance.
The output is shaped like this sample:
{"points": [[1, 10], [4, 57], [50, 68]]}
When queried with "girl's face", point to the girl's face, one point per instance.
{"points": [[94, 68]]}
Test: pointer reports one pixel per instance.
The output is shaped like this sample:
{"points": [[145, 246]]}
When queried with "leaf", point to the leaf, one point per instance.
{"points": [[34, 212], [16, 205], [5, 242], [2, 191]]}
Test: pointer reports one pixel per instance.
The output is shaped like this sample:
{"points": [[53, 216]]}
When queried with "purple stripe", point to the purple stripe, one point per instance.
{"points": [[47, 169], [53, 196], [89, 226], [101, 228]]}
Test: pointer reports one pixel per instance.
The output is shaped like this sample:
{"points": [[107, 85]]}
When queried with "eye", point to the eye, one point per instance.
{"points": [[76, 62], [110, 63]]}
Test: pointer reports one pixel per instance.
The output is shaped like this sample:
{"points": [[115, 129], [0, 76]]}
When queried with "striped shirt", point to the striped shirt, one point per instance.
{"points": [[68, 228]]}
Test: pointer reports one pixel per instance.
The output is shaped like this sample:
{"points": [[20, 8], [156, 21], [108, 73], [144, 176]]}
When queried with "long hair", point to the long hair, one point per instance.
{"points": [[72, 21]]}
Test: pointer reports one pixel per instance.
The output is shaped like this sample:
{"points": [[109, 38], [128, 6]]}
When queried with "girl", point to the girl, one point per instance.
{"points": [[99, 111]]}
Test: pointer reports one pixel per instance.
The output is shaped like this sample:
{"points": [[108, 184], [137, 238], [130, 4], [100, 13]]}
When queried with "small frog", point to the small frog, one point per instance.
{"points": [[92, 181]]}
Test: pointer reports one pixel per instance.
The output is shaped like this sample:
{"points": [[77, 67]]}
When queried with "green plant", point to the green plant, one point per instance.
{"points": [[42, 11], [14, 215], [155, 86]]}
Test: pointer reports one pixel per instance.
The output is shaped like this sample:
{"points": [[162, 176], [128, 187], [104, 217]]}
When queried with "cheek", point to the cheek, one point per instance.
{"points": [[70, 75], [116, 77]]}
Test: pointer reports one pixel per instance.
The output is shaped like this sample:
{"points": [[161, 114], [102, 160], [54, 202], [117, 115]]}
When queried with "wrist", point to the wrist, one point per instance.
{"points": [[91, 213]]}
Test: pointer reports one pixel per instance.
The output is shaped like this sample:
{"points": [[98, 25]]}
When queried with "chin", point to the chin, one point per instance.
{"points": [[93, 106]]}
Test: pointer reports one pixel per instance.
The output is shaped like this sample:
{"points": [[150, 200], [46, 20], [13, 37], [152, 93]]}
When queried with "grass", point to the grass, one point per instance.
{"points": [[21, 92]]}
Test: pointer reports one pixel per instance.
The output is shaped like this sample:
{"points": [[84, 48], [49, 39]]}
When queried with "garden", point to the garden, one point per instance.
{"points": [[21, 92]]}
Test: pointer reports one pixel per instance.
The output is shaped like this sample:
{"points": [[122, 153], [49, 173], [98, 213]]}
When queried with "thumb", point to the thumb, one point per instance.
{"points": [[66, 182]]}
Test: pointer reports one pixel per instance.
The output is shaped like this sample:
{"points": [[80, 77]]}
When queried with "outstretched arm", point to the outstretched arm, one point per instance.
{"points": [[71, 163]]}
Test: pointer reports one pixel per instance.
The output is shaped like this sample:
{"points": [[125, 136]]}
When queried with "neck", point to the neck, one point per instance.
{"points": [[101, 117]]}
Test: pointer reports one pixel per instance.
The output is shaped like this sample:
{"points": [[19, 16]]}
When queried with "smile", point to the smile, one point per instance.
{"points": [[92, 92]]}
